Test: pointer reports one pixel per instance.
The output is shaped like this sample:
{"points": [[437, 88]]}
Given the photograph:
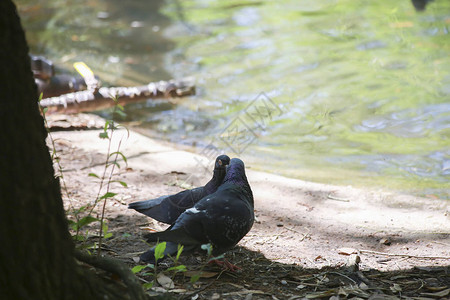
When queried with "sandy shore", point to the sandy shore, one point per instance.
{"points": [[298, 222]]}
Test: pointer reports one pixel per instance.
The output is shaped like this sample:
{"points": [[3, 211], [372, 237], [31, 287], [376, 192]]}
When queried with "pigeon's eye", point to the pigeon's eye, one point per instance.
{"points": [[220, 162]]}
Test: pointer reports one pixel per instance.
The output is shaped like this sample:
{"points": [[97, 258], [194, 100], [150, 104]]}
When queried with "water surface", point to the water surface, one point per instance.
{"points": [[360, 89]]}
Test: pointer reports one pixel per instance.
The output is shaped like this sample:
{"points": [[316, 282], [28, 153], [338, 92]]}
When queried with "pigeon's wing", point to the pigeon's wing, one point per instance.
{"points": [[228, 218], [167, 209], [221, 219]]}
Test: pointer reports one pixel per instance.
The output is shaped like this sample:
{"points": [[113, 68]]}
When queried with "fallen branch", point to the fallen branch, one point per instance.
{"points": [[404, 255], [91, 100]]}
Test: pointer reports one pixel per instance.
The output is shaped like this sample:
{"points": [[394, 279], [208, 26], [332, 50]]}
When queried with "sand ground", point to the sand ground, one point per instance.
{"points": [[300, 242]]}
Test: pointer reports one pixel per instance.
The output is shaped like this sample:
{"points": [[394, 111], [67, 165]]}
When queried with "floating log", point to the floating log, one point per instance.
{"points": [[91, 100]]}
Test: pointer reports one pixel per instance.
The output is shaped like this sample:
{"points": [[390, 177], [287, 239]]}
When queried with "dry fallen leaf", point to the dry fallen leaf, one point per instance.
{"points": [[440, 294], [165, 281]]}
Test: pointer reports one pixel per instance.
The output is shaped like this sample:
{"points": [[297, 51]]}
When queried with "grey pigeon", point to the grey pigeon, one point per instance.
{"points": [[221, 219], [168, 208]]}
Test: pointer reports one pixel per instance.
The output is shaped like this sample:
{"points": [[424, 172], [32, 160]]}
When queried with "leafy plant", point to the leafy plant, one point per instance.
{"points": [[83, 215], [160, 276]]}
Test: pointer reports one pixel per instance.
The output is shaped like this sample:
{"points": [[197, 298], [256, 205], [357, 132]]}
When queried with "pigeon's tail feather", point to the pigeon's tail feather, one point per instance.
{"points": [[151, 208], [146, 204], [179, 236]]}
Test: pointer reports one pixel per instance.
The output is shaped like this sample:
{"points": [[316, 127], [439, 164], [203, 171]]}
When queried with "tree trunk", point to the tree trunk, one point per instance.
{"points": [[36, 252]]}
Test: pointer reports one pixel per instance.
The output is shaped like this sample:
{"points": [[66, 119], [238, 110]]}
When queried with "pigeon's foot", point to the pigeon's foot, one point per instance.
{"points": [[226, 265]]}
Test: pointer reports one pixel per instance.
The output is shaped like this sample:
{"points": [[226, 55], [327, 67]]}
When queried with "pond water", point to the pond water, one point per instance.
{"points": [[342, 92]]}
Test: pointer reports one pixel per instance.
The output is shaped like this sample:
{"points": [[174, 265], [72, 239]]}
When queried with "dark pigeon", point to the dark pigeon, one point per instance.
{"points": [[420, 5], [167, 209], [221, 219]]}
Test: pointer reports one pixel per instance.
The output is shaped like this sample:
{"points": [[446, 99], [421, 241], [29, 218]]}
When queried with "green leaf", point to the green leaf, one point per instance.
{"points": [[79, 238], [86, 220], [208, 248], [113, 163], [148, 285], [108, 195], [40, 97], [119, 153], [72, 224], [80, 210], [93, 175], [45, 110], [217, 257], [103, 135], [105, 231], [138, 268], [180, 249], [123, 183], [195, 278], [121, 113], [179, 268], [105, 127], [159, 250], [106, 234]]}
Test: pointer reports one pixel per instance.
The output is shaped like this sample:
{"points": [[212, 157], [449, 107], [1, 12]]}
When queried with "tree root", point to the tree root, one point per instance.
{"points": [[114, 266]]}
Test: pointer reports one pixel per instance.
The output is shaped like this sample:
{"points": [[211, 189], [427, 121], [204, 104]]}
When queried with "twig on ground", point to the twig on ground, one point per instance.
{"points": [[331, 197], [404, 255]]}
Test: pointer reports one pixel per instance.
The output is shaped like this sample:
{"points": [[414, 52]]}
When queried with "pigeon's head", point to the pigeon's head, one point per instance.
{"points": [[235, 170], [222, 161]]}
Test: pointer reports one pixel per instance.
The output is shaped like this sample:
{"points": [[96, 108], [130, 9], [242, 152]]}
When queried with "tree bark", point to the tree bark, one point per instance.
{"points": [[36, 252]]}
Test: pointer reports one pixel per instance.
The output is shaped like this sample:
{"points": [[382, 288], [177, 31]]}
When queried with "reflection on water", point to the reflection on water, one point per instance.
{"points": [[364, 86], [122, 41]]}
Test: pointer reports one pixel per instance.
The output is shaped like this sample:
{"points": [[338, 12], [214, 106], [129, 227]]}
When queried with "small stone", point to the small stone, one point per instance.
{"points": [[283, 282], [385, 241], [353, 263], [215, 296]]}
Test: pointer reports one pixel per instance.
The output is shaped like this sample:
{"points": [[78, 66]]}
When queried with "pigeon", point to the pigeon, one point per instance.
{"points": [[420, 5], [168, 208], [221, 219]]}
